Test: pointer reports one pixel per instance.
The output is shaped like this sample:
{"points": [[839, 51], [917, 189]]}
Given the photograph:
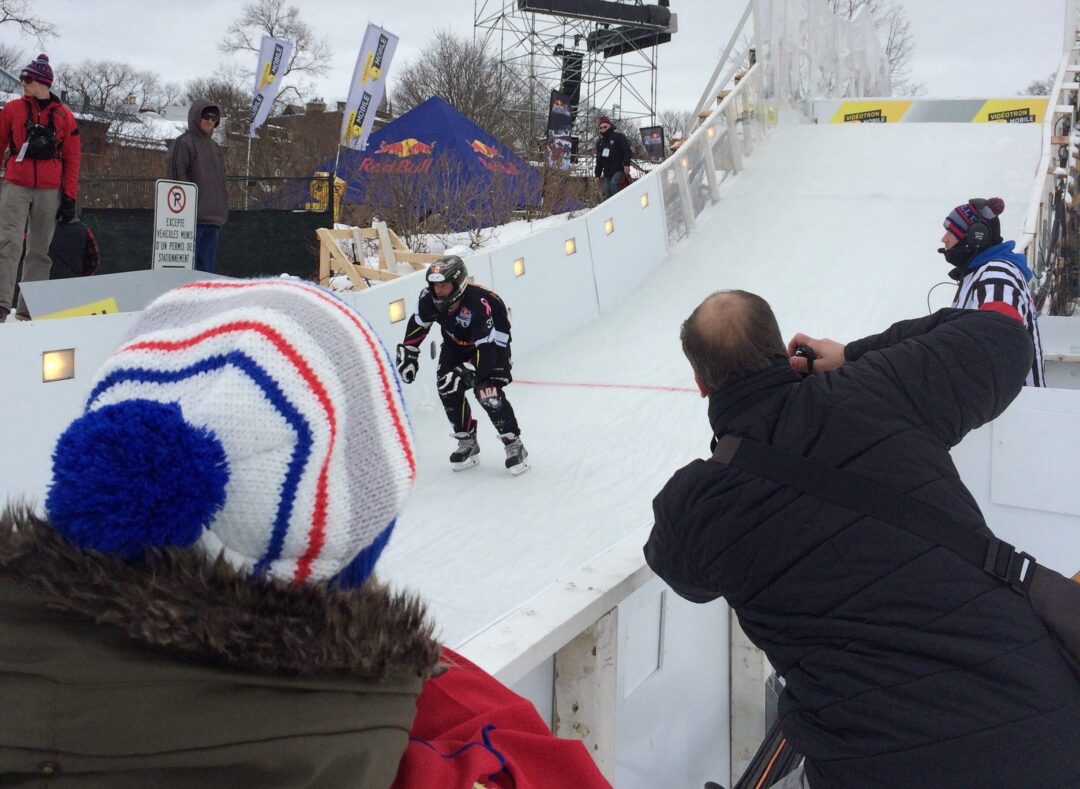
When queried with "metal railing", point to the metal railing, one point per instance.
{"points": [[1051, 228], [691, 177]]}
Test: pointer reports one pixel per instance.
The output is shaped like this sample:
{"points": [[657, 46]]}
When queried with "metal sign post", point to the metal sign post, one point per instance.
{"points": [[175, 207]]}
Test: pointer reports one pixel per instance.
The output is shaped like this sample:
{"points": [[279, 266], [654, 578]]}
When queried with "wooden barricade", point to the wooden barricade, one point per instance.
{"points": [[393, 254]]}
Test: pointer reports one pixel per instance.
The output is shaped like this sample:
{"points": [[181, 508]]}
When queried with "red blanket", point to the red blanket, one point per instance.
{"points": [[472, 731]]}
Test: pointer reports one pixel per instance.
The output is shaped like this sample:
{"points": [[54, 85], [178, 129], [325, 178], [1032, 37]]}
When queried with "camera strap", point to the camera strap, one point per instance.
{"points": [[1054, 597], [47, 115], [860, 494]]}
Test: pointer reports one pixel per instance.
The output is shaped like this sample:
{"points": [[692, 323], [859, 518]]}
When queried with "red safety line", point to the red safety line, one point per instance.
{"points": [[608, 386]]}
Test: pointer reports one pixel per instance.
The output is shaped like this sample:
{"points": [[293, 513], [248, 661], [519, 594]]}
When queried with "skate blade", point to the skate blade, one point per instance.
{"points": [[519, 469], [465, 464]]}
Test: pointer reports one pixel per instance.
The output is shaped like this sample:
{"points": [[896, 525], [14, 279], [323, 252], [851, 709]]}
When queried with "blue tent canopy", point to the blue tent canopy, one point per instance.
{"points": [[437, 161]]}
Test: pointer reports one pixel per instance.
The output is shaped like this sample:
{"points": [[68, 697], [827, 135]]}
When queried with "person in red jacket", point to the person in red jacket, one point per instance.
{"points": [[40, 140]]}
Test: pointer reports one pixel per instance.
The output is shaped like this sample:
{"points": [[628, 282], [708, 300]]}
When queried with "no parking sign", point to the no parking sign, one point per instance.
{"points": [[175, 207]]}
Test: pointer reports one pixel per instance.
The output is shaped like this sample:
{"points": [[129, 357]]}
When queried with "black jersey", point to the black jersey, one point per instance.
{"points": [[478, 320]]}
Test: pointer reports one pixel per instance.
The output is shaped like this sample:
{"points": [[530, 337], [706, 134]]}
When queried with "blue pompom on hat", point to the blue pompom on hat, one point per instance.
{"points": [[261, 422], [114, 447]]}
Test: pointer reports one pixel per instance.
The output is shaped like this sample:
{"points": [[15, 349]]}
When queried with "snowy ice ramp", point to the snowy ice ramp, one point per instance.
{"points": [[837, 226]]}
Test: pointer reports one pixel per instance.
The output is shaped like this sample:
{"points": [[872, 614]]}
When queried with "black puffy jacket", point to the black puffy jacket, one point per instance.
{"points": [[905, 665], [612, 153]]}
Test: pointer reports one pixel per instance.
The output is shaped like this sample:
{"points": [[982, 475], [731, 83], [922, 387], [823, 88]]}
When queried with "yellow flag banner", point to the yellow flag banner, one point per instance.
{"points": [[274, 56], [368, 86]]}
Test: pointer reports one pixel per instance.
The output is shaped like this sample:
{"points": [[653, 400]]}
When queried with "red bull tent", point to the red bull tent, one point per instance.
{"points": [[440, 162]]}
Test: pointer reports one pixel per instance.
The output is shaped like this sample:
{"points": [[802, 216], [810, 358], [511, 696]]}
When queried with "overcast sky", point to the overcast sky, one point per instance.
{"points": [[973, 48]]}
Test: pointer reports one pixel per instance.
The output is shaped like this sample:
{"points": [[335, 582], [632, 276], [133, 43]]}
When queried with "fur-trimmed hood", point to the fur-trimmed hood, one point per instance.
{"points": [[175, 600]]}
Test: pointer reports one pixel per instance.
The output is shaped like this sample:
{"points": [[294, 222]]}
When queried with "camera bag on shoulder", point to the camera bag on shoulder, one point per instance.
{"points": [[41, 142], [1053, 596]]}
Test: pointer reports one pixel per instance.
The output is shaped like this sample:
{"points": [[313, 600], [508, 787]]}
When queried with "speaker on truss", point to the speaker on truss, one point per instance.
{"points": [[571, 77], [614, 41]]}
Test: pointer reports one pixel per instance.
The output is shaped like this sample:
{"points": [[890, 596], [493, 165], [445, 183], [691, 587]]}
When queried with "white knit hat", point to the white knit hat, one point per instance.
{"points": [[261, 421]]}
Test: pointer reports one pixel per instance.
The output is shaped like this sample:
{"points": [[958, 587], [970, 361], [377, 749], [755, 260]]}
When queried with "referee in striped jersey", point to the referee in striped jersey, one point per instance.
{"points": [[989, 268]]}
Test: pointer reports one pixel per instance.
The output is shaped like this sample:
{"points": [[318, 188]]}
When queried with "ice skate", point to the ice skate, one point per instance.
{"points": [[515, 455], [465, 455]]}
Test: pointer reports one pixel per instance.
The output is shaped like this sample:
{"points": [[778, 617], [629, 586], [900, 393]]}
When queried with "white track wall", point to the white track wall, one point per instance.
{"points": [[559, 292]]}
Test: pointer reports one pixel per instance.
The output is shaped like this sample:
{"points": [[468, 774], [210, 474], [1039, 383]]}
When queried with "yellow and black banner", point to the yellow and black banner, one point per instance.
{"points": [[368, 85], [874, 111], [274, 57], [1012, 111]]}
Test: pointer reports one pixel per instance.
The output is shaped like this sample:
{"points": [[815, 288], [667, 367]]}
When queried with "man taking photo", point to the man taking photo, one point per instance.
{"points": [[905, 665]]}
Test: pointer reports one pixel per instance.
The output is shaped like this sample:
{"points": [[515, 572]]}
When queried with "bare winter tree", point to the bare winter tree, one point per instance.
{"points": [[20, 13], [229, 90], [12, 58], [677, 123], [470, 78], [110, 85], [1040, 87], [311, 54], [890, 19]]}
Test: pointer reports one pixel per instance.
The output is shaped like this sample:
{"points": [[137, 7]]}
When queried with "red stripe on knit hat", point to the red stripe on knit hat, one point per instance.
{"points": [[317, 534], [384, 377], [1002, 307]]}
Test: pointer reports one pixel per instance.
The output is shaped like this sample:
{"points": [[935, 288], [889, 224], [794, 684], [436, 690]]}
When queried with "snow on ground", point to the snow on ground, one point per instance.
{"points": [[490, 237], [836, 226]]}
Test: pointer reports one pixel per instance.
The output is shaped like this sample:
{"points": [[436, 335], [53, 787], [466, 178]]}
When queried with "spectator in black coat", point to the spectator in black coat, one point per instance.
{"points": [[612, 158], [74, 250], [905, 666]]}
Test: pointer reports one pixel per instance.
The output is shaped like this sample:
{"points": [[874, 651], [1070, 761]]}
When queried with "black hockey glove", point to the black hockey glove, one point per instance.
{"points": [[408, 362], [500, 376], [460, 378], [66, 213]]}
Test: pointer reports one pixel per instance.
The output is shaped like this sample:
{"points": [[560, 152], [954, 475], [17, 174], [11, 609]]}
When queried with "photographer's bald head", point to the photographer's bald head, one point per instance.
{"points": [[730, 334]]}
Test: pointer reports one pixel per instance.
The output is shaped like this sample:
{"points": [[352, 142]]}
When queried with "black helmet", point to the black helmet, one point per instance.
{"points": [[449, 268]]}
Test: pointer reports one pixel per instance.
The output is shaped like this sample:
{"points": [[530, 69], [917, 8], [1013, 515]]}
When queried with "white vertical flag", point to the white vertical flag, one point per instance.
{"points": [[274, 56], [368, 86]]}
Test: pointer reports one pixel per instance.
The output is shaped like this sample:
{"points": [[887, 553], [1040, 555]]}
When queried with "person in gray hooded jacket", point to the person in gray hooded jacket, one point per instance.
{"points": [[195, 157]]}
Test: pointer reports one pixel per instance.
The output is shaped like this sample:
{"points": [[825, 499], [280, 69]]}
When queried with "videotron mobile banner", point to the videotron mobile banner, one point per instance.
{"points": [[1017, 109], [368, 85], [274, 57]]}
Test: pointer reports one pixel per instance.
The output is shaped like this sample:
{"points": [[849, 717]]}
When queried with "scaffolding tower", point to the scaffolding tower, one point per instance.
{"points": [[607, 47]]}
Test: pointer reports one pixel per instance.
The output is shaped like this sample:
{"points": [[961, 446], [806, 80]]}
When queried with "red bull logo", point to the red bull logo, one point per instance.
{"points": [[410, 146], [486, 150], [489, 156]]}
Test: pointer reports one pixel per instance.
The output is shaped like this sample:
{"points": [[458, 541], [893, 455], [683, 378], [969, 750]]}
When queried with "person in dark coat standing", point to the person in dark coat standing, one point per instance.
{"points": [[195, 157], [74, 251], [612, 158], [904, 664], [197, 605]]}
